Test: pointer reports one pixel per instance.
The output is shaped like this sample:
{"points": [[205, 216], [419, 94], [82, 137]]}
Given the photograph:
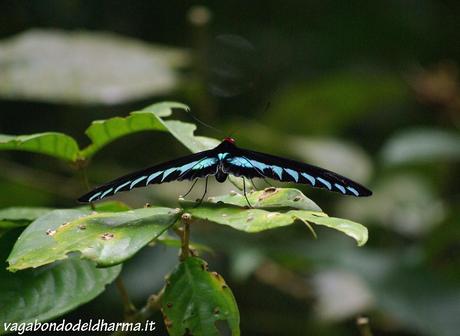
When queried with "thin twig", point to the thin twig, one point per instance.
{"points": [[283, 279], [152, 305], [129, 308]]}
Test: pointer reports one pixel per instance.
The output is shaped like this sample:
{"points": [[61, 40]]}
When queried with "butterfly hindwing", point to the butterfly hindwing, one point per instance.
{"points": [[186, 168], [252, 164]]}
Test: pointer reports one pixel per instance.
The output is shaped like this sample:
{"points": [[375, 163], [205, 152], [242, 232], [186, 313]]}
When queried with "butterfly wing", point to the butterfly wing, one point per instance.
{"points": [[185, 168], [252, 164]]}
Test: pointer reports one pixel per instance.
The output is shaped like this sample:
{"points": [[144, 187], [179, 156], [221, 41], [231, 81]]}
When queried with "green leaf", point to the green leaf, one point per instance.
{"points": [[184, 132], [55, 144], [270, 198], [108, 238], [272, 209], [422, 145], [20, 216], [247, 220], [355, 230], [195, 299], [45, 293], [102, 132], [108, 206]]}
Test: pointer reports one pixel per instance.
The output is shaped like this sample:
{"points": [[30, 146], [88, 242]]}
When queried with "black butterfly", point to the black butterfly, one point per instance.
{"points": [[227, 159]]}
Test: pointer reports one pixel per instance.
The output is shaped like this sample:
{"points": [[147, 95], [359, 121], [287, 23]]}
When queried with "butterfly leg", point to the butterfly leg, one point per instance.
{"points": [[253, 184], [205, 191], [188, 192], [244, 191]]}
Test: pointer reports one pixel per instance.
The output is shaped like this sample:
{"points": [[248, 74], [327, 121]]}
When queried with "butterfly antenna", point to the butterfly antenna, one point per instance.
{"points": [[202, 122]]}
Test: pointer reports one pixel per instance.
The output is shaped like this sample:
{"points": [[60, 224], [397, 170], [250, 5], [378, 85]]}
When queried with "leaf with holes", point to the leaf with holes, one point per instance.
{"points": [[45, 293], [273, 208], [271, 198], [108, 238], [22, 216], [196, 301], [55, 144]]}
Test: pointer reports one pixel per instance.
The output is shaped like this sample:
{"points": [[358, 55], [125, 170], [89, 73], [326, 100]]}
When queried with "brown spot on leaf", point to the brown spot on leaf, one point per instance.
{"points": [[169, 305], [268, 192], [168, 322], [82, 227], [107, 236], [217, 275], [50, 232], [186, 217], [204, 266]]}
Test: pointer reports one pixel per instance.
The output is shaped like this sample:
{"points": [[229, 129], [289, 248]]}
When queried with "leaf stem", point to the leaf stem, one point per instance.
{"points": [[82, 169]]}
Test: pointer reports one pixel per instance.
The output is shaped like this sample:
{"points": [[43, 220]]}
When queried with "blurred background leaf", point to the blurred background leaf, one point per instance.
{"points": [[74, 67]]}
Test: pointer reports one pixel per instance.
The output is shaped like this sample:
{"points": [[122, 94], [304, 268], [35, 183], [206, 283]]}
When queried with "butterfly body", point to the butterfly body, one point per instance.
{"points": [[228, 159]]}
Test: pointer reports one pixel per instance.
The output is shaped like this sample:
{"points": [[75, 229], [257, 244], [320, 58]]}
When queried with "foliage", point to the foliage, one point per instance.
{"points": [[193, 299], [42, 294]]}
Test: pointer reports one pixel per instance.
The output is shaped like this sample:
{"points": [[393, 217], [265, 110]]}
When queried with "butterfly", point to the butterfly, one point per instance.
{"points": [[228, 159]]}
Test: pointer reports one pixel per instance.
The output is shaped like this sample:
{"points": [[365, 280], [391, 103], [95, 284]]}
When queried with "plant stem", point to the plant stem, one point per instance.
{"points": [[129, 308], [82, 169], [364, 326], [184, 235]]}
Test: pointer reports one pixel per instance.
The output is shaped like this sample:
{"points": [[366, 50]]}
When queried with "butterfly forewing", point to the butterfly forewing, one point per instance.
{"points": [[186, 168], [225, 159], [252, 164]]}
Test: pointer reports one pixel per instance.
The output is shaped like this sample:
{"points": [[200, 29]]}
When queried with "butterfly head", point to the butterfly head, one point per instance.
{"points": [[229, 140]]}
